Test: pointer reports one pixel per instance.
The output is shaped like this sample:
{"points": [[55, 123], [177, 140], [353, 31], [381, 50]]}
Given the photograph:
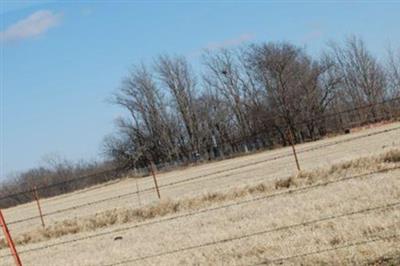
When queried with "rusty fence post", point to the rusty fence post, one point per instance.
{"points": [[290, 135], [9, 240], [138, 192], [36, 196], [155, 179]]}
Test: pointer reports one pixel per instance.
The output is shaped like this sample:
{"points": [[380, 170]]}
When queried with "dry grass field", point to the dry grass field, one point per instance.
{"points": [[342, 209]]}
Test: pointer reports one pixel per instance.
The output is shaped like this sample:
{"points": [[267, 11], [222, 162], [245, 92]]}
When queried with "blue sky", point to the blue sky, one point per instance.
{"points": [[61, 60]]}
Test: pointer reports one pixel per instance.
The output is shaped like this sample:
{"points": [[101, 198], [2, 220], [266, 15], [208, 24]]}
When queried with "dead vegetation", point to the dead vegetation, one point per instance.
{"points": [[387, 260], [168, 207]]}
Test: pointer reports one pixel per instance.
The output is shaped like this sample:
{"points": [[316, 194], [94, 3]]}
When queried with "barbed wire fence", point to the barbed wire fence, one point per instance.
{"points": [[198, 177], [389, 206], [89, 180], [290, 191], [30, 193]]}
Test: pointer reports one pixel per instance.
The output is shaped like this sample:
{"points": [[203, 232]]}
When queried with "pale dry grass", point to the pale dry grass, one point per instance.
{"points": [[333, 235], [351, 167], [168, 207], [158, 241], [213, 177]]}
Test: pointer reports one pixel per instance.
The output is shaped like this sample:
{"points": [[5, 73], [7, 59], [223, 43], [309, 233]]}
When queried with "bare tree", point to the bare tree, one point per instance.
{"points": [[298, 88], [363, 77], [176, 75], [393, 72], [318, 86], [225, 76], [148, 127], [218, 124]]}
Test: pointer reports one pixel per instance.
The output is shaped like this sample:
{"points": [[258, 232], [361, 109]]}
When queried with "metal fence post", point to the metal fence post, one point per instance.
{"points": [[155, 179], [138, 192], [10, 242], [36, 196], [290, 134]]}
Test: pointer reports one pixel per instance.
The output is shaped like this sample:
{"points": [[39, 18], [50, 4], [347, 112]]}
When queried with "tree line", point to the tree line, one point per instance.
{"points": [[247, 98]]}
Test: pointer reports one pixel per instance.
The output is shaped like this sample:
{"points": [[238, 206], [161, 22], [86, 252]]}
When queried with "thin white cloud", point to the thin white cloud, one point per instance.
{"points": [[231, 42], [34, 25], [315, 33], [223, 44]]}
